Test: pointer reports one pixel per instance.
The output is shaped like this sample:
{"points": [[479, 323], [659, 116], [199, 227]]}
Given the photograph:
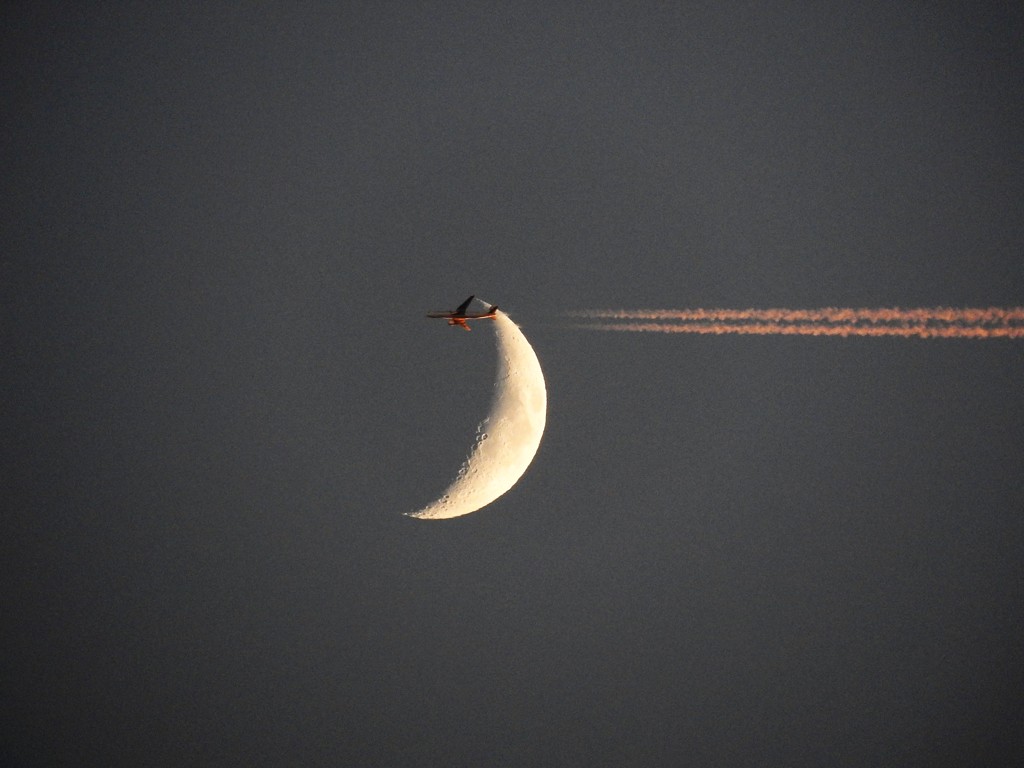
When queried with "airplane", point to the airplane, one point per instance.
{"points": [[459, 317]]}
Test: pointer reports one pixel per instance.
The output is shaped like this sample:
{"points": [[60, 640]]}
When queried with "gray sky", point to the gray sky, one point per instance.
{"points": [[221, 232]]}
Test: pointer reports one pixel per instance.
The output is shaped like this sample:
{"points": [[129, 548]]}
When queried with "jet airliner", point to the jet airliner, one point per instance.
{"points": [[459, 317]]}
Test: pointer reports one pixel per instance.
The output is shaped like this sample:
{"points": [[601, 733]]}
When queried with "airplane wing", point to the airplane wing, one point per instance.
{"points": [[461, 310]]}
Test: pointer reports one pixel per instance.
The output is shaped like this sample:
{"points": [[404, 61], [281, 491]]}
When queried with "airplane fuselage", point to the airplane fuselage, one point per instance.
{"points": [[461, 321]]}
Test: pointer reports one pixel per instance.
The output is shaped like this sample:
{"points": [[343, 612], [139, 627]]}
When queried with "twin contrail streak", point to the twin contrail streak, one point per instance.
{"points": [[922, 323]]}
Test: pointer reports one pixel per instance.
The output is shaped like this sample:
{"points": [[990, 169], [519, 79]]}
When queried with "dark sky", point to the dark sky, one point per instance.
{"points": [[222, 227]]}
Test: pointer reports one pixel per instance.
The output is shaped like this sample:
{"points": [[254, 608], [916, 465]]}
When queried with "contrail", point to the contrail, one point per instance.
{"points": [[933, 322]]}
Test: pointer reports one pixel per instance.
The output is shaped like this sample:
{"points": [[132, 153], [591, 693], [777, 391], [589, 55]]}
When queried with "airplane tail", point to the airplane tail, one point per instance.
{"points": [[493, 309]]}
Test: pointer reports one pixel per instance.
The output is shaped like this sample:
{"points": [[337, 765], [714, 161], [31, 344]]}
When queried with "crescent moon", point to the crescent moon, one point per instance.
{"points": [[508, 438]]}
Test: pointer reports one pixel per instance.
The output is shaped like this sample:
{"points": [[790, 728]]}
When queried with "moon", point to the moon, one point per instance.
{"points": [[508, 438]]}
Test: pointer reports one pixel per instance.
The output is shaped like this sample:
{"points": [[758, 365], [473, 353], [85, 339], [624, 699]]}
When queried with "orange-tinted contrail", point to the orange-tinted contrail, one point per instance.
{"points": [[935, 322]]}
